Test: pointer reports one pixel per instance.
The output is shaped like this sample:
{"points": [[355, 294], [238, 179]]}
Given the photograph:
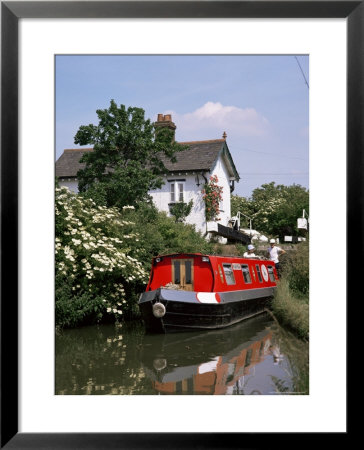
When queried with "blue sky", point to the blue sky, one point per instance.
{"points": [[262, 102]]}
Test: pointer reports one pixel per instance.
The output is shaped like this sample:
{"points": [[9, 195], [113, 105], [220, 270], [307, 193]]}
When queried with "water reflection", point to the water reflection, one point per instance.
{"points": [[252, 358], [214, 362]]}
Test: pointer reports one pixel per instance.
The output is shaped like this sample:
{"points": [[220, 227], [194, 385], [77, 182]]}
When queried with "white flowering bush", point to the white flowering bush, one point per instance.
{"points": [[98, 270]]}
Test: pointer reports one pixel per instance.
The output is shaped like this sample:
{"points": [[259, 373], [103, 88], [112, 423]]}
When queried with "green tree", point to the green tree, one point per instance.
{"points": [[181, 210], [127, 157], [245, 206], [277, 207], [266, 202], [295, 200], [273, 208]]}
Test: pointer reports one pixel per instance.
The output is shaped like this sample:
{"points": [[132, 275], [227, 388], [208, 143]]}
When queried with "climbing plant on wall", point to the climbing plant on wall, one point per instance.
{"points": [[212, 195]]}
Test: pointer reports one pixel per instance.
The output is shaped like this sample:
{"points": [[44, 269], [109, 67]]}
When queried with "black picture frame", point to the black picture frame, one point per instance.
{"points": [[11, 12]]}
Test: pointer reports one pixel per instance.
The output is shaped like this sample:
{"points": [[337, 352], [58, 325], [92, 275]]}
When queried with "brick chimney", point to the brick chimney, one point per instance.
{"points": [[165, 121]]}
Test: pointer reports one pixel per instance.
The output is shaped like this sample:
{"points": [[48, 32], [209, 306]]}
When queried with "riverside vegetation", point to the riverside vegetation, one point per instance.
{"points": [[291, 300]]}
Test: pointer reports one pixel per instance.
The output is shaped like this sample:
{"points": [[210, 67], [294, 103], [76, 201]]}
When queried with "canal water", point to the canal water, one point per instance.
{"points": [[254, 357]]}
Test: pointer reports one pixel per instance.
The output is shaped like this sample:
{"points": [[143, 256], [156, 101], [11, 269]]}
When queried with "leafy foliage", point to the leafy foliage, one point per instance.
{"points": [[212, 195], [97, 262], [274, 209], [127, 157], [160, 234], [181, 210], [291, 300], [291, 311], [296, 270]]}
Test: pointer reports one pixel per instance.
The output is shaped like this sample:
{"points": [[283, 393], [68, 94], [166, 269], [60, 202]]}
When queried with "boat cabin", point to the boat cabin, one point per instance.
{"points": [[207, 273]]}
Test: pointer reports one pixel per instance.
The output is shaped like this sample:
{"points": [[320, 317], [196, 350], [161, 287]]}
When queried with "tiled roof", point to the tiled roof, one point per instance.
{"points": [[68, 164], [199, 156]]}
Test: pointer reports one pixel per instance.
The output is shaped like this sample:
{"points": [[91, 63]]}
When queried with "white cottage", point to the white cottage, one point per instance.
{"points": [[185, 180]]}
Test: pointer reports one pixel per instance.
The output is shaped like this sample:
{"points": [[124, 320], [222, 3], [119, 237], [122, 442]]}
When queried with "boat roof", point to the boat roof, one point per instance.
{"points": [[171, 255]]}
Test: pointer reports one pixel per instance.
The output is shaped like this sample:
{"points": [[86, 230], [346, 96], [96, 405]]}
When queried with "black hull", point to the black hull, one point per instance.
{"points": [[193, 316]]}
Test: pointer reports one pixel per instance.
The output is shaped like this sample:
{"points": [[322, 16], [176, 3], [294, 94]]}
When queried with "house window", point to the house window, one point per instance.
{"points": [[176, 191], [229, 275], [173, 195], [246, 273]]}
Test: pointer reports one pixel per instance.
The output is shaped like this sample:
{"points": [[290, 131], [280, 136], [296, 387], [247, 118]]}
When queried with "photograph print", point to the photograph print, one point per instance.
{"points": [[182, 224]]}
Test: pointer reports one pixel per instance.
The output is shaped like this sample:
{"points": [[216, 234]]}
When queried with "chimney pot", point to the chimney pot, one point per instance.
{"points": [[165, 121], [224, 136]]}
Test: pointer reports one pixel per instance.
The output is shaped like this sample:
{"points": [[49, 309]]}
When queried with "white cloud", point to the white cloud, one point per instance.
{"points": [[215, 116]]}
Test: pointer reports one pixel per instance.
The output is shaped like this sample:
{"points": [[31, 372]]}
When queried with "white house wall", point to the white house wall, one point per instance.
{"points": [[71, 184], [223, 181], [162, 198]]}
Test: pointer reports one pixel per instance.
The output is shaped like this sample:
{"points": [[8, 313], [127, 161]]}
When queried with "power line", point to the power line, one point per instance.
{"points": [[274, 173], [299, 65], [273, 154]]}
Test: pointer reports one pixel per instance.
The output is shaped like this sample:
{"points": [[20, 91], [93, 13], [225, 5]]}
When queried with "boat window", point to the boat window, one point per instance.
{"points": [[246, 273], [259, 274], [177, 272], [188, 272], [229, 276], [182, 273], [221, 275], [271, 273]]}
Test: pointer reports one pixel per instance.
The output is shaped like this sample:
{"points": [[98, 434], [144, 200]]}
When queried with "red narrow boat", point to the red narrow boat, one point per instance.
{"points": [[194, 291]]}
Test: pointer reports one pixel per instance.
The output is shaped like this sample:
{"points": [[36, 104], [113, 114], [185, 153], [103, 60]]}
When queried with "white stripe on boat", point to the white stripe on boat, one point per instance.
{"points": [[208, 297]]}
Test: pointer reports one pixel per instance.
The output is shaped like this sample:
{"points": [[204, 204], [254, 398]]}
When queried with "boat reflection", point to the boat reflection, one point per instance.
{"points": [[214, 362]]}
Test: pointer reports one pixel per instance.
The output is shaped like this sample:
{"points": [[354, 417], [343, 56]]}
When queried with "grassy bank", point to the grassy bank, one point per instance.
{"points": [[291, 300], [290, 311]]}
